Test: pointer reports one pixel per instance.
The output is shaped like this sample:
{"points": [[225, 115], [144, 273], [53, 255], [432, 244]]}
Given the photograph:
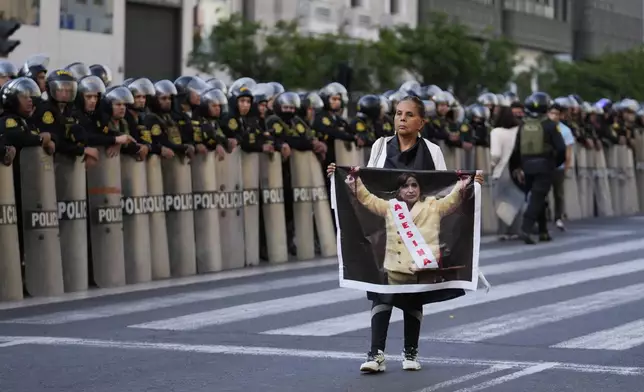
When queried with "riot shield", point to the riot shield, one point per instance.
{"points": [[231, 204], [10, 276], [272, 199], [639, 167], [137, 207], [627, 185], [453, 157], [601, 184], [583, 167], [177, 186], [346, 153], [250, 177], [204, 191], [106, 221], [40, 232], [572, 196], [489, 222], [614, 171], [366, 154], [322, 210], [71, 192], [509, 201], [158, 231], [302, 184]]}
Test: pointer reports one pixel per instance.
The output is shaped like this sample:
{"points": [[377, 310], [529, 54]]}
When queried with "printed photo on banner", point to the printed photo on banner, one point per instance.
{"points": [[407, 231]]}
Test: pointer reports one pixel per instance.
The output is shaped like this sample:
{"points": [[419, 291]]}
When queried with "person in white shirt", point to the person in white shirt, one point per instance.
{"points": [[502, 140]]}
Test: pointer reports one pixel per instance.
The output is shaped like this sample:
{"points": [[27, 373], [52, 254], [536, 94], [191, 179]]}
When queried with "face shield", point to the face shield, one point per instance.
{"points": [[218, 84], [215, 98], [102, 71], [78, 70], [63, 91]]}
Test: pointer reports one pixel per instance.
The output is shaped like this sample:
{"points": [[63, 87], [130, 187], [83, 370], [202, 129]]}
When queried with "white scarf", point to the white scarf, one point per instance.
{"points": [[411, 237]]}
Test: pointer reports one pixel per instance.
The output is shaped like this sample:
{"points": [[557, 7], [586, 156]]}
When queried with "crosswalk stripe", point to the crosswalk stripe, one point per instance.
{"points": [[563, 258], [122, 308], [149, 304], [362, 320], [252, 310], [465, 378], [535, 317], [567, 241], [512, 376], [623, 337]]}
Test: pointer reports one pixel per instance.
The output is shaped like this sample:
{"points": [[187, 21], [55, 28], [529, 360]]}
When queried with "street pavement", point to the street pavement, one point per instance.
{"points": [[561, 316]]}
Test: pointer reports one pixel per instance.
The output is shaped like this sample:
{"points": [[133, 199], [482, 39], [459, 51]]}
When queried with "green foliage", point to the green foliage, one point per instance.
{"points": [[440, 52]]}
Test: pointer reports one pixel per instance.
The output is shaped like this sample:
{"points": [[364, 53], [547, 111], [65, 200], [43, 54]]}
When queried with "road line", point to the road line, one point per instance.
{"points": [[512, 376], [252, 310], [565, 258], [312, 354], [362, 320], [623, 337], [465, 378], [173, 282], [148, 304], [535, 317]]}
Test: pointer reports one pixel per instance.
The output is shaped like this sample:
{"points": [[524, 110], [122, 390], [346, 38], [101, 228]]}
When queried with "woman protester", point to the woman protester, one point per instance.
{"points": [[407, 150]]}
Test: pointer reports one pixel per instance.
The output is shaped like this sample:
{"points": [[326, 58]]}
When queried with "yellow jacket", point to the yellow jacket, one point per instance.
{"points": [[426, 215]]}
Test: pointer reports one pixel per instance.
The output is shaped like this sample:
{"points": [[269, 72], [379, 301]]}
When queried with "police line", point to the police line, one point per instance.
{"points": [[126, 221]]}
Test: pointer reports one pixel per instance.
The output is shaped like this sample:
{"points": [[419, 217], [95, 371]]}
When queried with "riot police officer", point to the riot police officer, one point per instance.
{"points": [[8, 71], [363, 125], [538, 151], [103, 72], [113, 107], [212, 107], [141, 89], [189, 90], [162, 125], [90, 90], [330, 124], [55, 116]]}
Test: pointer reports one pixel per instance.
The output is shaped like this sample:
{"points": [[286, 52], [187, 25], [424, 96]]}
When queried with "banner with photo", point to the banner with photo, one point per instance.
{"points": [[405, 231]]}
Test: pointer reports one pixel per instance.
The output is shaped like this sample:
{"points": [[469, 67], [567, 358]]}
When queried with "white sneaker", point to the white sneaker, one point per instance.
{"points": [[375, 363], [410, 359], [560, 225]]}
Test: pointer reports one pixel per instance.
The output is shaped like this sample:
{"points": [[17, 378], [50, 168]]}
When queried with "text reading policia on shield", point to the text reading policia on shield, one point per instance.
{"points": [[72, 210]]}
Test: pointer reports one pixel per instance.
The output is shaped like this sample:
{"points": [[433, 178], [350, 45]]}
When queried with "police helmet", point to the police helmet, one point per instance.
{"points": [[7, 69], [116, 94], [370, 106], [141, 87], [537, 104], [91, 84], [78, 70], [61, 86], [239, 84], [34, 65], [286, 100], [102, 71], [488, 99], [214, 96], [218, 84], [11, 92]]}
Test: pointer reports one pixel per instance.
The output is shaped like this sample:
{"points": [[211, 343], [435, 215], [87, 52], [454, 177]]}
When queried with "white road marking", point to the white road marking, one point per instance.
{"points": [[535, 317], [313, 354], [252, 310], [362, 320], [564, 258], [148, 304], [173, 282], [465, 378], [513, 376], [623, 337]]}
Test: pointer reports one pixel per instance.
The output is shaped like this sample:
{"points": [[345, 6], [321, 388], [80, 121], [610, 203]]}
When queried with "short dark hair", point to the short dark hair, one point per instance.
{"points": [[420, 106], [402, 179], [506, 118]]}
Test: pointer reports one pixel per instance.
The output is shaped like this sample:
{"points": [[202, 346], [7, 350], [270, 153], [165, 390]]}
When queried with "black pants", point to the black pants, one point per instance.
{"points": [[380, 316], [558, 193], [538, 186]]}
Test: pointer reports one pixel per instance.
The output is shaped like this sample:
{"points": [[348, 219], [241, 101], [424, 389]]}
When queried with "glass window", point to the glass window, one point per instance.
{"points": [[394, 7], [26, 12], [95, 16], [355, 3]]}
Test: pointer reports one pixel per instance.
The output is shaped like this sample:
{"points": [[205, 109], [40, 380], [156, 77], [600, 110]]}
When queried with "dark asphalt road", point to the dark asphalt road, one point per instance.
{"points": [[564, 316]]}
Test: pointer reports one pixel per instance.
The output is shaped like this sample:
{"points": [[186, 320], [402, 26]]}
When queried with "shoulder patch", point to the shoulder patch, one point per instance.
{"points": [[616, 125], [277, 127], [326, 121], [48, 118], [360, 126], [232, 124], [387, 126], [10, 123], [464, 128], [156, 130], [300, 128]]}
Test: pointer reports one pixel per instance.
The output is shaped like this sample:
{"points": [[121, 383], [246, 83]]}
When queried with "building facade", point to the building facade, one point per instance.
{"points": [[564, 28], [133, 38]]}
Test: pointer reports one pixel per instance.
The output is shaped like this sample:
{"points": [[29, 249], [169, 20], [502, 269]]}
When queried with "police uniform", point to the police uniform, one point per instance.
{"points": [[164, 131], [140, 133], [360, 126], [69, 135], [330, 127], [538, 151]]}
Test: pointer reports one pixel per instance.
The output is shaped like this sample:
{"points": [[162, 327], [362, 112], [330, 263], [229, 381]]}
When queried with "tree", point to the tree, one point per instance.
{"points": [[232, 46], [499, 60]]}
